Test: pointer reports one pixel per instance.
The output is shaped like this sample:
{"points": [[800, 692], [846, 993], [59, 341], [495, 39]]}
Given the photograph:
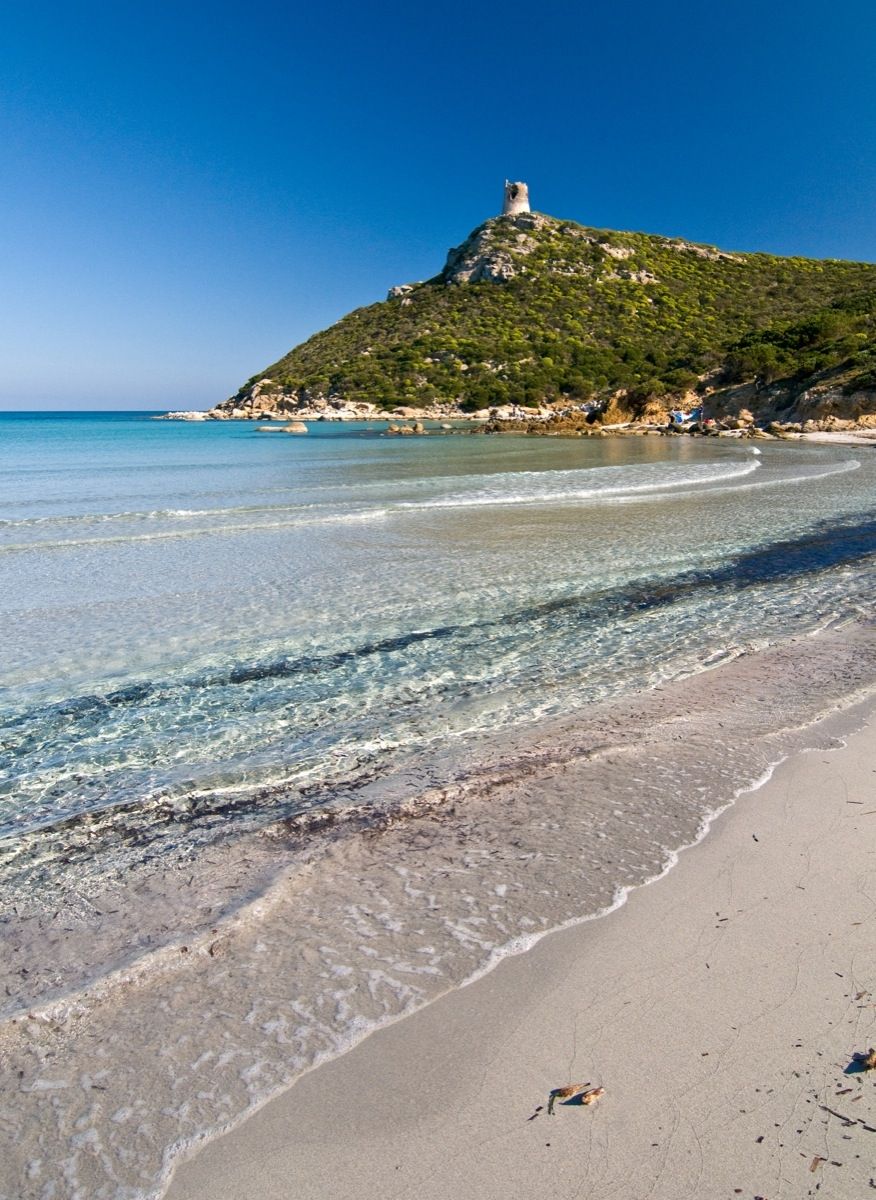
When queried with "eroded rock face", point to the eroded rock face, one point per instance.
{"points": [[490, 255], [822, 407], [834, 404]]}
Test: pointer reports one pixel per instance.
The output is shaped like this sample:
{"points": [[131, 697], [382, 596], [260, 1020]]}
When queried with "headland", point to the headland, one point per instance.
{"points": [[539, 319]]}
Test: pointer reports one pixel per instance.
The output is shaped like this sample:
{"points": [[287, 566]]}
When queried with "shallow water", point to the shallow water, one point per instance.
{"points": [[347, 716]]}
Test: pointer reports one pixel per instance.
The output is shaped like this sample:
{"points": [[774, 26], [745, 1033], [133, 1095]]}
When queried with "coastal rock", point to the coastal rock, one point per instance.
{"points": [[400, 291], [295, 427], [520, 412], [263, 401]]}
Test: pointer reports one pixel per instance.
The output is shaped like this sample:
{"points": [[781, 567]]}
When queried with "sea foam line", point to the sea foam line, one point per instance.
{"points": [[186, 534], [491, 485], [550, 497], [622, 493], [154, 514], [815, 475]]}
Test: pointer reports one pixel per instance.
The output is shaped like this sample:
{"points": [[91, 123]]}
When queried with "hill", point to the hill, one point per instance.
{"points": [[532, 310]]}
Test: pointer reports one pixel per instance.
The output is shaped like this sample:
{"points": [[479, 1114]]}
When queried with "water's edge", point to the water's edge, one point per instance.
{"points": [[836, 728], [553, 829]]}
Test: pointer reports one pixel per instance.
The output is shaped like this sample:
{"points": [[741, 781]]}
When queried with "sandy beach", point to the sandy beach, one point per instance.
{"points": [[250, 834], [438, 639], [720, 1008], [846, 438]]}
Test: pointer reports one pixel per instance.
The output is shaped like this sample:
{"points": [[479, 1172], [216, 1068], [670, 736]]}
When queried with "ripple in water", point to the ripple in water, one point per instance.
{"points": [[299, 771]]}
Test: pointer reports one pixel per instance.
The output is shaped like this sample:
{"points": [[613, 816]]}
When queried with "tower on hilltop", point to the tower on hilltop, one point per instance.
{"points": [[516, 199]]}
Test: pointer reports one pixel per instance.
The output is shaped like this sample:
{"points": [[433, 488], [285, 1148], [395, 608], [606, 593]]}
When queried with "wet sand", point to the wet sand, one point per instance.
{"points": [[720, 1008]]}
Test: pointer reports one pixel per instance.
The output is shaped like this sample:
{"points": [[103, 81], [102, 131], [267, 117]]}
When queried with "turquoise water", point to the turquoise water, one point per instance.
{"points": [[296, 733], [193, 609]]}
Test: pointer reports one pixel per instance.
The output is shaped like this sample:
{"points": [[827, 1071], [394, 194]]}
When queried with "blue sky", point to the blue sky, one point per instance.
{"points": [[189, 189]]}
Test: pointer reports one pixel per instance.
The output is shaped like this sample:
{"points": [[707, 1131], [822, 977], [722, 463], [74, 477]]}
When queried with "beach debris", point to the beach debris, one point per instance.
{"points": [[816, 1162], [868, 1060], [848, 1121], [861, 1061], [583, 1093], [565, 1093]]}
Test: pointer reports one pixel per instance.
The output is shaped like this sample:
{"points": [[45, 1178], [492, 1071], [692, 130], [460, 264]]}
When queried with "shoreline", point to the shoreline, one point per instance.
{"points": [[384, 1115], [614, 726], [191, 1048], [858, 435], [338, 814]]}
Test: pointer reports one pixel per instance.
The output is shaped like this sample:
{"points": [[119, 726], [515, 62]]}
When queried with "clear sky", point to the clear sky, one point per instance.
{"points": [[189, 189]]}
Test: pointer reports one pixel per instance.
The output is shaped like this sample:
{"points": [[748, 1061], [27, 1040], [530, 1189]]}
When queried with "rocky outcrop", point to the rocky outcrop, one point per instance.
{"points": [[496, 252], [821, 401], [710, 252], [401, 291], [833, 404], [267, 400]]}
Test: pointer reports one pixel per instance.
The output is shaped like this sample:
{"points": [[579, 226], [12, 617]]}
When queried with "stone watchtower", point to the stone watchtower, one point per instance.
{"points": [[516, 199]]}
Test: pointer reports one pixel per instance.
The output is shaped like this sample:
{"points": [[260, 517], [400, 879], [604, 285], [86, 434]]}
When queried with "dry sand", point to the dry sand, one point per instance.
{"points": [[720, 1008], [842, 439]]}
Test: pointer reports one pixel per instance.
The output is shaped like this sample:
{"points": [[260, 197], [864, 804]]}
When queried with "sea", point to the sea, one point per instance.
{"points": [[298, 733]]}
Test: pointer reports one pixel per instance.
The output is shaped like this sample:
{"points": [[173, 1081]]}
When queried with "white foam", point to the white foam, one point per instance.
{"points": [[549, 487]]}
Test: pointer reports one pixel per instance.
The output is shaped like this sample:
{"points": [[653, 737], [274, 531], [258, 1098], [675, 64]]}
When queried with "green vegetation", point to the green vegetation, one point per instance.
{"points": [[840, 338], [586, 312]]}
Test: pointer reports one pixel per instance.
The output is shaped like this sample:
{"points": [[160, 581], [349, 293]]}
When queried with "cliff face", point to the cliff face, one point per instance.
{"points": [[825, 401], [530, 310]]}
